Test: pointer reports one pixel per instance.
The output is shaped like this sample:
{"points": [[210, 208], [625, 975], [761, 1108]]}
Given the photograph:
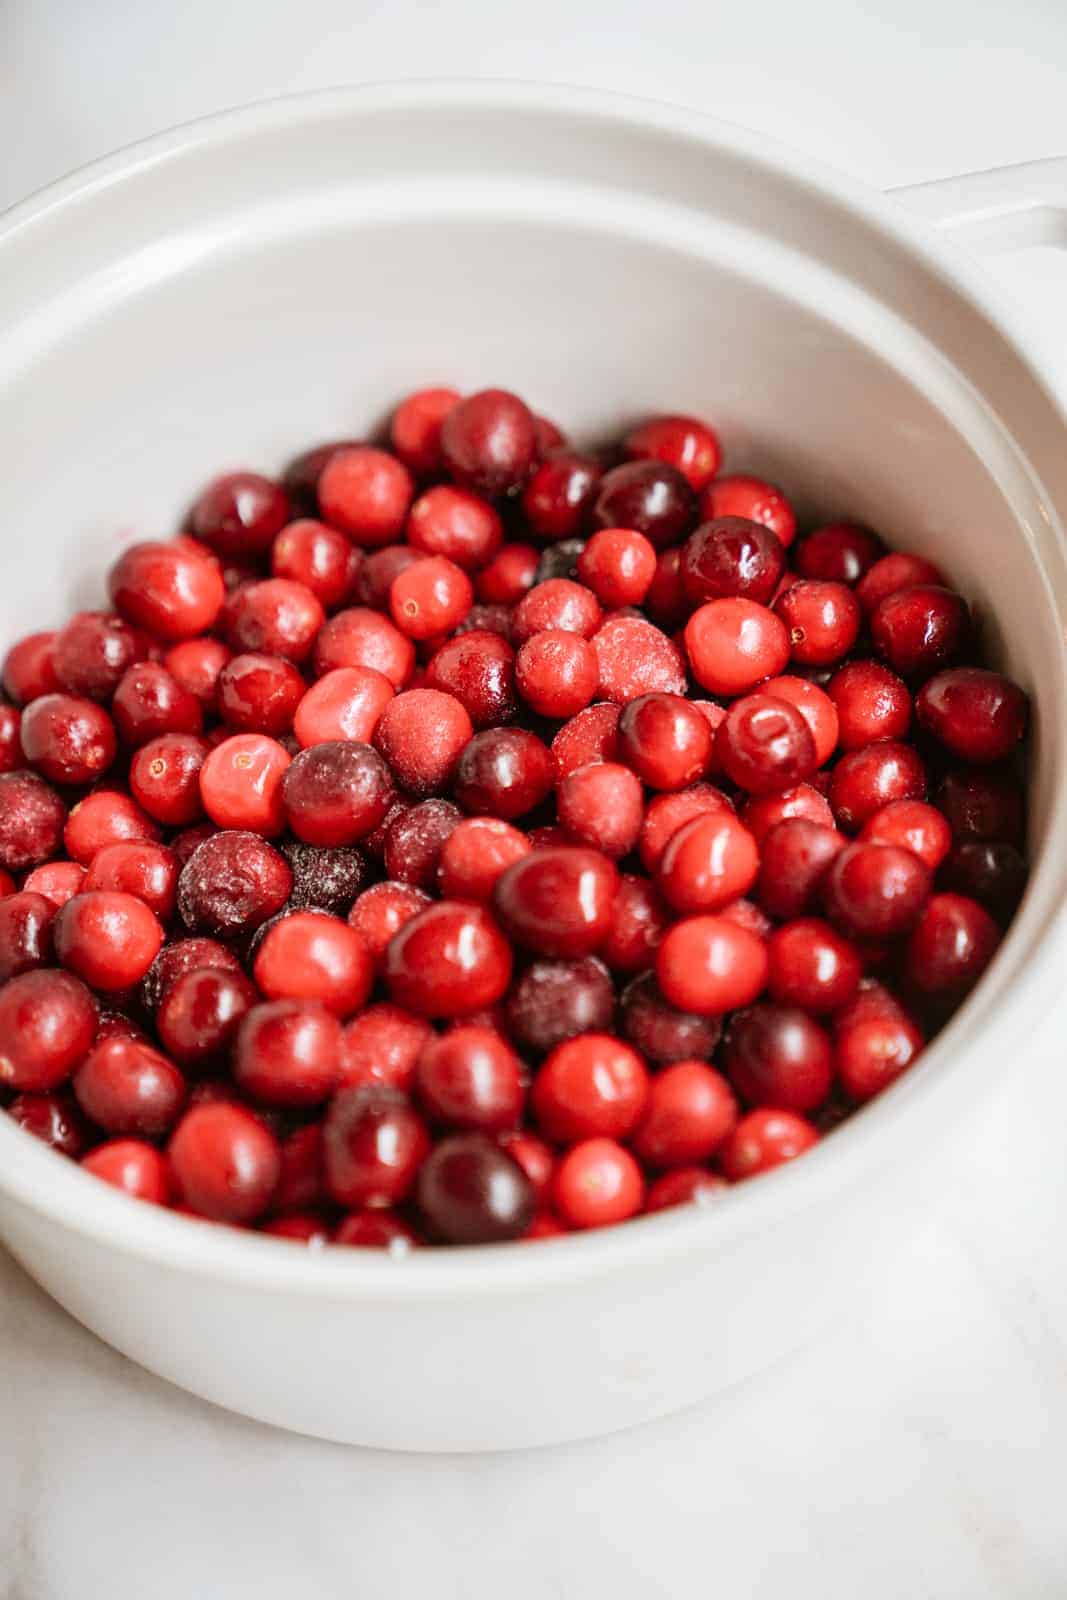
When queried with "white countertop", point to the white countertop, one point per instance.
{"points": [[919, 1451]]}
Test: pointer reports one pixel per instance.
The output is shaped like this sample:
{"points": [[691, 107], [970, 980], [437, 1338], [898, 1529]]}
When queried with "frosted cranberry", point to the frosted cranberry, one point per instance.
{"points": [[166, 589], [165, 778], [559, 901], [618, 564], [241, 784], [588, 736], [707, 863], [636, 658], [953, 942], [54, 1119], [470, 1078], [683, 1187], [335, 793], [601, 805], [199, 1014], [979, 716], [558, 498], [507, 577], [710, 965], [919, 630], [29, 668], [375, 1229], [795, 857], [812, 966], [986, 806], [381, 1046], [775, 1055], [231, 883], [25, 933], [58, 881], [872, 891], [590, 1086], [382, 910], [894, 572], [421, 734], [556, 673], [504, 772], [373, 1146], [11, 753], [133, 1167], [839, 552], [32, 817], [259, 694], [366, 493], [68, 739], [276, 617], [872, 703], [764, 1140], [359, 637], [196, 665], [454, 523], [871, 1051], [639, 920], [415, 429], [597, 1184], [993, 874], [430, 597], [288, 1052], [765, 744], [448, 960], [911, 825], [139, 867], [488, 442], [126, 1087], [661, 1032], [691, 1109], [47, 1026], [225, 1161], [478, 670], [649, 496], [558, 604], [240, 514], [731, 557], [93, 651], [324, 879], [734, 644], [470, 1191], [344, 704], [107, 938], [555, 1000], [866, 780], [311, 955], [682, 442], [736, 495], [823, 620], [474, 855], [317, 558]]}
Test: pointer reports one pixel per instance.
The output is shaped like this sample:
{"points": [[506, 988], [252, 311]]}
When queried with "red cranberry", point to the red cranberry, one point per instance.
{"points": [[310, 955], [815, 707], [866, 780], [707, 863], [894, 572], [871, 1050], [504, 772], [225, 1162], [474, 855], [691, 1110], [839, 552], [775, 1055], [421, 734], [682, 442], [199, 1015], [344, 704], [288, 1053], [382, 1045], [535, 1158], [953, 942], [731, 557], [240, 514], [451, 522], [812, 966], [872, 891], [763, 1140], [911, 825], [430, 597], [734, 644], [259, 694], [133, 1167], [166, 589], [359, 637], [558, 498], [557, 673], [649, 496], [448, 960], [470, 1191], [558, 604], [54, 1119], [668, 812], [559, 901], [58, 881], [993, 874], [665, 739], [710, 965], [25, 933], [381, 911], [366, 493], [12, 756], [415, 430], [68, 739], [588, 736], [639, 920], [765, 744], [488, 442], [979, 716], [555, 1000], [508, 576], [47, 1025], [196, 665], [301, 1182], [107, 938], [165, 778], [176, 959], [276, 617], [335, 793], [738, 496], [137, 867], [823, 621], [93, 651], [149, 702], [602, 806], [241, 784], [373, 1146], [666, 601], [589, 1087], [635, 658], [618, 564], [470, 1078], [872, 704], [318, 559], [919, 630], [126, 1087], [29, 668], [985, 806], [685, 1186], [231, 883], [598, 1183]]}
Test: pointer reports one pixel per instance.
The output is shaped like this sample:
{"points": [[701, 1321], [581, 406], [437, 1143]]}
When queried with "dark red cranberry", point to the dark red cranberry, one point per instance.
{"points": [[378, 570], [448, 960], [25, 933], [765, 744], [47, 1026], [979, 716], [919, 630], [231, 883], [660, 1031], [839, 552], [731, 556], [650, 497], [301, 1182], [240, 514], [68, 739], [55, 1119], [866, 780], [812, 966], [872, 891], [325, 879], [488, 442], [225, 1161], [336, 793], [953, 942], [639, 920], [415, 840], [288, 1053], [470, 1078], [665, 739], [126, 1087], [373, 1146], [199, 1015], [504, 772], [469, 1191], [872, 1049], [558, 902], [993, 874], [455, 523], [12, 756], [375, 1229], [93, 651], [666, 601], [478, 668], [558, 499], [987, 806], [775, 1055], [555, 1000]]}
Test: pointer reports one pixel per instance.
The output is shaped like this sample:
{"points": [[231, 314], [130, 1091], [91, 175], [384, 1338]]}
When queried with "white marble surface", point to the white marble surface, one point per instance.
{"points": [[920, 1449]]}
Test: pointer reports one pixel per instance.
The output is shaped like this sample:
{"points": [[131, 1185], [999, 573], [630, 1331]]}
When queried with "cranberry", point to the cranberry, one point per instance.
{"points": [[598, 1183], [765, 744], [29, 668], [178, 958], [557, 673], [734, 644], [474, 855], [684, 1186], [919, 630], [812, 966], [344, 704], [166, 589], [430, 597], [381, 911], [93, 651], [165, 778], [986, 806], [558, 902], [953, 942], [58, 881], [823, 620], [707, 863], [359, 637], [739, 496], [872, 1050], [231, 883], [470, 1078], [126, 1087], [110, 939], [651, 497], [47, 1025], [710, 965], [470, 1191], [240, 514], [12, 756], [477, 668], [68, 739], [601, 806], [318, 559], [555, 1000], [558, 498], [508, 576], [911, 825], [665, 739], [993, 874], [979, 716], [25, 933], [241, 784], [667, 813], [731, 557], [618, 564], [682, 442], [325, 880], [377, 572], [288, 1052], [449, 960], [137, 867], [635, 659], [366, 493], [133, 1167], [866, 780], [373, 1146], [590, 1086], [199, 1014], [457, 524], [775, 1055], [763, 1140], [691, 1110], [872, 704], [310, 955], [660, 1031], [415, 429], [415, 840], [639, 920], [815, 707], [666, 601], [54, 1119], [375, 1229], [196, 665], [489, 443], [839, 552], [795, 856], [302, 1227], [335, 793], [504, 772], [382, 1045], [872, 891], [894, 572], [558, 604], [259, 694], [421, 734], [225, 1162], [588, 736]]}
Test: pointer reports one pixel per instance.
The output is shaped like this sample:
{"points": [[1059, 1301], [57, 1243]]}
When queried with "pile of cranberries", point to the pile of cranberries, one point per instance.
{"points": [[472, 838]]}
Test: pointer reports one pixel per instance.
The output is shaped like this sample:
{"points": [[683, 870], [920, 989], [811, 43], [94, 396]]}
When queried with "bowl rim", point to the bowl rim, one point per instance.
{"points": [[51, 1186]]}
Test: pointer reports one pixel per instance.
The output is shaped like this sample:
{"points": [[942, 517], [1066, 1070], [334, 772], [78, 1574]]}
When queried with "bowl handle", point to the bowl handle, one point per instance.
{"points": [[1008, 208]]}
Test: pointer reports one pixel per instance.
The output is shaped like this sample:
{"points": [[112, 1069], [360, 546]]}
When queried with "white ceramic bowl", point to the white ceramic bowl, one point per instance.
{"points": [[224, 294]]}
